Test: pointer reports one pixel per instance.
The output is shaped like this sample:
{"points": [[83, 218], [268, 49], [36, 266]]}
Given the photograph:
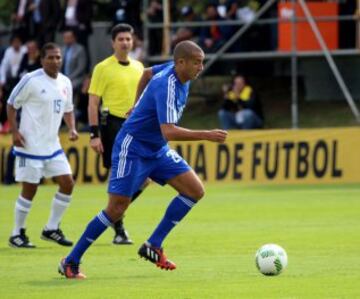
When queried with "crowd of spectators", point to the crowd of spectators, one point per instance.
{"points": [[35, 22]]}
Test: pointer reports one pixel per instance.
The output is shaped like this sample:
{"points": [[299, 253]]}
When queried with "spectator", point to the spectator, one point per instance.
{"points": [[36, 20], [74, 60], [21, 19], [31, 60], [9, 74], [74, 65], [242, 108], [49, 16], [187, 33], [127, 11], [155, 15], [2, 46], [243, 11], [231, 9], [77, 17], [214, 36]]}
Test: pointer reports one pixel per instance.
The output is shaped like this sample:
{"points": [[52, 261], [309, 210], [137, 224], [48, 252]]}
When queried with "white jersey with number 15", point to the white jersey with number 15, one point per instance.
{"points": [[43, 101]]}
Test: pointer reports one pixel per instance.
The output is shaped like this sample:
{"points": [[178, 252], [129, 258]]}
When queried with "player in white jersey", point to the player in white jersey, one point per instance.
{"points": [[45, 98]]}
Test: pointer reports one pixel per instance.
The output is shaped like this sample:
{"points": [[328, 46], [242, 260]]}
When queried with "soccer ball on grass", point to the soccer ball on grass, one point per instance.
{"points": [[271, 259]]}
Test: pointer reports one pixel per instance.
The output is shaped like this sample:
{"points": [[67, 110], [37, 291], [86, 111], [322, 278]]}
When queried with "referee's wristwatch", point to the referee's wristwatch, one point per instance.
{"points": [[94, 132]]}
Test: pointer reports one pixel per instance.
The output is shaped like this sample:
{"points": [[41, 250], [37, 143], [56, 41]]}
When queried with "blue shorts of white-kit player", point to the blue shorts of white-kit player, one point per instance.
{"points": [[130, 169]]}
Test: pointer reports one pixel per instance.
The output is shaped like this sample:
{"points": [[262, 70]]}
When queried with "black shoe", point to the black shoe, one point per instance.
{"points": [[121, 236], [21, 240], [56, 236]]}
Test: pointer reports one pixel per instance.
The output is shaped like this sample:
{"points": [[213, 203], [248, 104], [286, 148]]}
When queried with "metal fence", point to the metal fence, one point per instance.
{"points": [[294, 54]]}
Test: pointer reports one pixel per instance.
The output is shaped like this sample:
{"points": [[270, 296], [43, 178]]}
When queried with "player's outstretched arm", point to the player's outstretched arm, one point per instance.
{"points": [[18, 139], [173, 132], [69, 119]]}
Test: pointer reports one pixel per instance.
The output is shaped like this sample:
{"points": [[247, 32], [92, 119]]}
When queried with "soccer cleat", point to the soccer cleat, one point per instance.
{"points": [[121, 236], [56, 236], [21, 240], [70, 270], [156, 256]]}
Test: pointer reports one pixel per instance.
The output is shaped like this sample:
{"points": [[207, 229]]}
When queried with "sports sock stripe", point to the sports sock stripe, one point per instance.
{"points": [[23, 204], [186, 201], [63, 197], [103, 218]]}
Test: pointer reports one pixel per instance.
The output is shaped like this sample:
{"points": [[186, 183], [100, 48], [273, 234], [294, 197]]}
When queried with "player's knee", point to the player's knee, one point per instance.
{"points": [[117, 206], [201, 193], [198, 193], [28, 190], [71, 185], [67, 185]]}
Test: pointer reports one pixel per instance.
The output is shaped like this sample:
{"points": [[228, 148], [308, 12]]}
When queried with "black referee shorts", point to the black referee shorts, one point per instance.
{"points": [[110, 126]]}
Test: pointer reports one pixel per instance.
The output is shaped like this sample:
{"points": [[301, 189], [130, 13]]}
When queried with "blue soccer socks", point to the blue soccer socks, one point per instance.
{"points": [[94, 229], [176, 211]]}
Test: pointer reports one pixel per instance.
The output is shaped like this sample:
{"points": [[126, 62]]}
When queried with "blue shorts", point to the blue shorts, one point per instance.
{"points": [[129, 170]]}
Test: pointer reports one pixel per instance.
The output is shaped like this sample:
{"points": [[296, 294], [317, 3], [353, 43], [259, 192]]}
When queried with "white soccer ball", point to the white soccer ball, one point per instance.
{"points": [[271, 259]]}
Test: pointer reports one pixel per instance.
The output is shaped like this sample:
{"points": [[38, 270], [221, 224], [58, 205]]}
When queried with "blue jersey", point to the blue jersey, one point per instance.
{"points": [[162, 102]]}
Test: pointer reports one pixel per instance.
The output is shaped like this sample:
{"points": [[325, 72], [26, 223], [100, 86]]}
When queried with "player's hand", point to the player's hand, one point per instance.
{"points": [[18, 139], [217, 135], [73, 135], [97, 145]]}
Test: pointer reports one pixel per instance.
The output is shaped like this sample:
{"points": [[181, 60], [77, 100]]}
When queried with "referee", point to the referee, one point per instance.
{"points": [[113, 87]]}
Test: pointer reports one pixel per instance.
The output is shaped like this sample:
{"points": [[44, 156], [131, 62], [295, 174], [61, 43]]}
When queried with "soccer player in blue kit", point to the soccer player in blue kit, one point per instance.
{"points": [[141, 150]]}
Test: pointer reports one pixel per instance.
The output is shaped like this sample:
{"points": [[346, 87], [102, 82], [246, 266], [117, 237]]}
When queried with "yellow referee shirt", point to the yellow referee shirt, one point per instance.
{"points": [[116, 84]]}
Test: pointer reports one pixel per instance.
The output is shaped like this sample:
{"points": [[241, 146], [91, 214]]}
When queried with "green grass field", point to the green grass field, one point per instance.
{"points": [[213, 247]]}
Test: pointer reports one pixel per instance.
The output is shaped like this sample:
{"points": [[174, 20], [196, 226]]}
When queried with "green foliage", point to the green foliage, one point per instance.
{"points": [[214, 247]]}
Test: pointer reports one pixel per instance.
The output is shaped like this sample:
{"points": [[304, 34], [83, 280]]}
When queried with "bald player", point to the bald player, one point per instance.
{"points": [[141, 150]]}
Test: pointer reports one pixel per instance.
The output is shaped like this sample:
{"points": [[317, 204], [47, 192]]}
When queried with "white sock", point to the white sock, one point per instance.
{"points": [[59, 204], [22, 209]]}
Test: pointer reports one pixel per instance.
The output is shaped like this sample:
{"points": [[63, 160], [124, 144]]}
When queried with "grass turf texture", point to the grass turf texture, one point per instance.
{"points": [[213, 247]]}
